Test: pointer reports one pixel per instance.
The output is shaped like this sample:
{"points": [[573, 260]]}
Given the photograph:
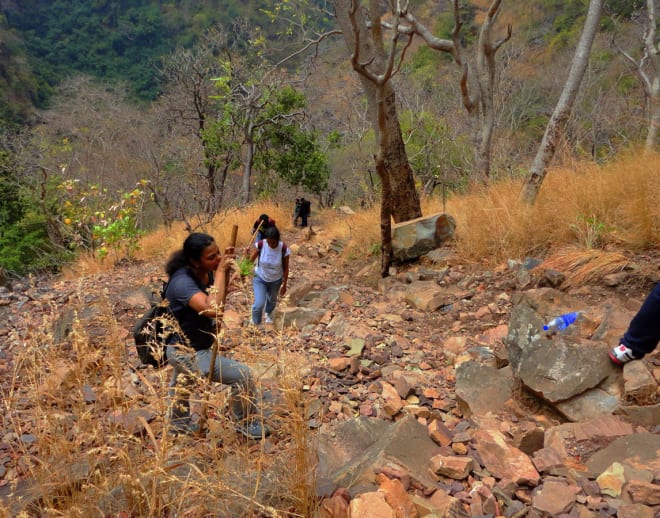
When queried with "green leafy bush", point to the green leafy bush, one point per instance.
{"points": [[97, 221], [245, 266], [25, 246]]}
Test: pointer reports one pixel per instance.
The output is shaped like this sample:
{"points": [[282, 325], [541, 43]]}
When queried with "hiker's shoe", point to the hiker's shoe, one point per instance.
{"points": [[621, 354], [252, 429], [268, 319]]}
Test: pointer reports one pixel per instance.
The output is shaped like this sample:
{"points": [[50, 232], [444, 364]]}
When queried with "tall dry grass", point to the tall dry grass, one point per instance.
{"points": [[587, 220], [587, 206], [91, 434]]}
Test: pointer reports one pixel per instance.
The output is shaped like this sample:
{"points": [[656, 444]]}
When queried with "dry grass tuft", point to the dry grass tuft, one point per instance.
{"points": [[359, 232], [584, 266], [100, 441]]}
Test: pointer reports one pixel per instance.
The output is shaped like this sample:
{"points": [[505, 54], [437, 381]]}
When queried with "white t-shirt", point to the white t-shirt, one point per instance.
{"points": [[269, 265]]}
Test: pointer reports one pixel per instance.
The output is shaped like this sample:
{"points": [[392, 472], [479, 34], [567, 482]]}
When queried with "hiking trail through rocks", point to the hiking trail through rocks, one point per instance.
{"points": [[430, 390]]}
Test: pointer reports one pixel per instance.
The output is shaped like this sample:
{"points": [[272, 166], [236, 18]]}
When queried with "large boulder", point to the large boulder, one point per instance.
{"points": [[563, 369], [352, 453], [416, 237]]}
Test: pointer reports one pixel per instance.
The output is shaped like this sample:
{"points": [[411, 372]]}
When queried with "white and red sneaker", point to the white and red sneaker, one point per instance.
{"points": [[621, 354]]}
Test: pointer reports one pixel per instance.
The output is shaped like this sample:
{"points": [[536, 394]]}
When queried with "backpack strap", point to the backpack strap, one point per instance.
{"points": [[163, 289]]}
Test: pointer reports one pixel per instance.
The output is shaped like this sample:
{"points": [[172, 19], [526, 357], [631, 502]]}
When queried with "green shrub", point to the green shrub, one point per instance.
{"points": [[25, 246], [100, 221], [245, 266]]}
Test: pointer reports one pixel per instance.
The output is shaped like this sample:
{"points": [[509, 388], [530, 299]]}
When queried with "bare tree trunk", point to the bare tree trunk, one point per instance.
{"points": [[385, 218], [654, 116], [650, 80], [653, 52], [480, 106], [564, 106], [211, 205], [368, 46], [486, 78], [249, 159], [405, 203]]}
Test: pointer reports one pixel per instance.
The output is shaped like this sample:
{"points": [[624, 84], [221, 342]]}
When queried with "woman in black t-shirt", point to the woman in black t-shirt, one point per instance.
{"points": [[195, 292]]}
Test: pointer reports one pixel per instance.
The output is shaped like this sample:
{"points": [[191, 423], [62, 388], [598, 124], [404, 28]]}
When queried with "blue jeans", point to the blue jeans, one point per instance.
{"points": [[265, 297], [643, 332], [187, 364]]}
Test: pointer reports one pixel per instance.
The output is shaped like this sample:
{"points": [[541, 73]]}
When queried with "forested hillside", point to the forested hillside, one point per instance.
{"points": [[122, 115], [46, 41], [109, 40]]}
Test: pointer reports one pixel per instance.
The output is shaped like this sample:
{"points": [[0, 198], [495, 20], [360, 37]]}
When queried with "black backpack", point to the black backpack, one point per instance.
{"points": [[151, 331]]}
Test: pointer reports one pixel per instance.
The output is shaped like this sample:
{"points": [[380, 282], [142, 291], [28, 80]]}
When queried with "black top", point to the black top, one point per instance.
{"points": [[200, 330]]}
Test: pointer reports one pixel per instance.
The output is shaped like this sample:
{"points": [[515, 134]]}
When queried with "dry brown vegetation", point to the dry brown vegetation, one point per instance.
{"points": [[610, 207], [98, 448], [605, 208], [587, 221]]}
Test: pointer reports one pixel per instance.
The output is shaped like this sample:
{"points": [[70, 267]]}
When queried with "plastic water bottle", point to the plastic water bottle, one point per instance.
{"points": [[560, 323]]}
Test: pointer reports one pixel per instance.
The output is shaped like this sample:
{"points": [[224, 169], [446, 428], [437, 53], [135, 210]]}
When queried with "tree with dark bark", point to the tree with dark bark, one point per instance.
{"points": [[362, 31], [363, 34], [376, 65]]}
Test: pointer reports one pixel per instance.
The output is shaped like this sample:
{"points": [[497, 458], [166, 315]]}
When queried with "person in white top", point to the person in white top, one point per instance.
{"points": [[271, 274]]}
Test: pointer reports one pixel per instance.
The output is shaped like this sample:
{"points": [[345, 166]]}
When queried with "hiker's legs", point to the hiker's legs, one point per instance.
{"points": [[643, 333], [272, 291], [182, 362], [233, 373], [260, 294]]}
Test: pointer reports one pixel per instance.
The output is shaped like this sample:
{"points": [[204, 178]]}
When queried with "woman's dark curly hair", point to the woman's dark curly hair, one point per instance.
{"points": [[192, 250]]}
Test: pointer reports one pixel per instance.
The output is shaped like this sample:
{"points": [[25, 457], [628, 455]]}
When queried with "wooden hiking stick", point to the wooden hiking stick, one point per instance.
{"points": [[254, 233], [214, 350]]}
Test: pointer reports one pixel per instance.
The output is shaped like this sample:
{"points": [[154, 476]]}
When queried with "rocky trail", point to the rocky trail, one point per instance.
{"points": [[431, 393]]}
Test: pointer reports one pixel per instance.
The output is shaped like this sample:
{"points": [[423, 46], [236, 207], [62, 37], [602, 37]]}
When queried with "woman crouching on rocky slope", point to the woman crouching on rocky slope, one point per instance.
{"points": [[195, 292]]}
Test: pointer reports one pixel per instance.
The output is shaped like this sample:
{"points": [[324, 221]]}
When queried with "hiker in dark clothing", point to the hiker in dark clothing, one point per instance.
{"points": [[296, 212], [305, 210], [196, 288], [643, 332]]}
